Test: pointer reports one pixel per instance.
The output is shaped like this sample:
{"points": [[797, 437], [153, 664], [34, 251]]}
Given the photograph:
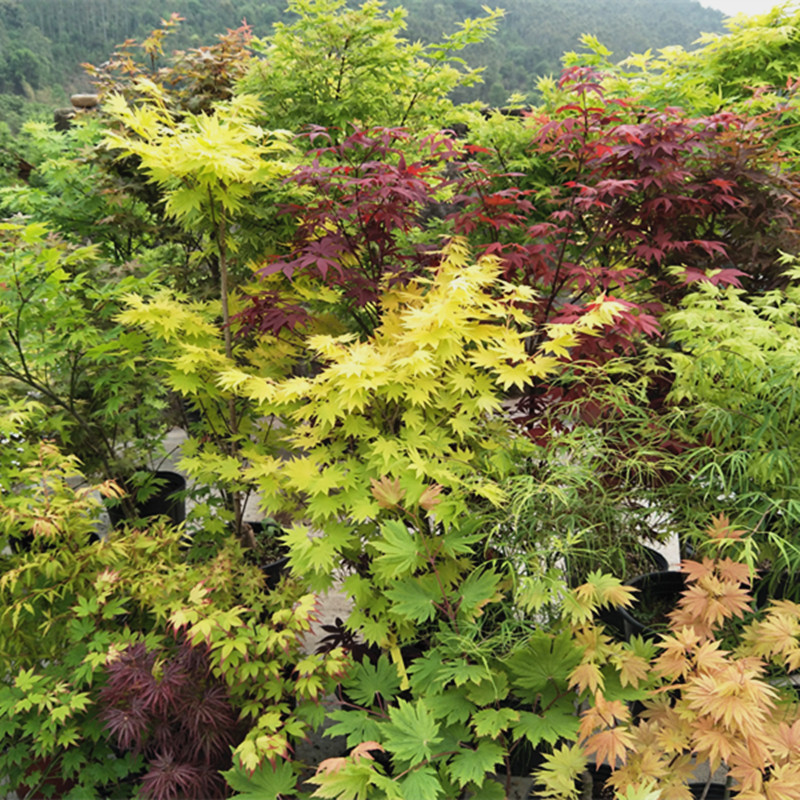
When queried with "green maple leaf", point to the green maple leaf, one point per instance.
{"points": [[266, 783], [452, 706], [366, 680], [473, 765], [356, 725], [492, 721], [400, 550], [475, 591], [489, 691], [412, 732], [544, 663], [414, 598], [421, 784], [555, 724]]}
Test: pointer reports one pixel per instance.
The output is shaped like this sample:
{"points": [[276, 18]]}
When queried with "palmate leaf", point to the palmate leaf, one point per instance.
{"points": [[268, 782], [356, 725], [493, 721], [421, 784], [412, 733], [473, 765], [366, 680], [401, 552], [415, 598], [344, 780], [557, 723], [545, 662], [477, 591], [452, 706], [557, 777]]}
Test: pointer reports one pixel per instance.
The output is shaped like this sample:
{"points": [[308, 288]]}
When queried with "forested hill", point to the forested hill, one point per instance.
{"points": [[43, 42]]}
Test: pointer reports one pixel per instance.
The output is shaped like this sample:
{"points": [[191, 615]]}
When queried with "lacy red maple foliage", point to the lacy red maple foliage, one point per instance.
{"points": [[170, 709]]}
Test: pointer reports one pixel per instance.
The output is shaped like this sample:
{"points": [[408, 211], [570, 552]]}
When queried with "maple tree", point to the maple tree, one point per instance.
{"points": [[61, 348], [338, 65], [170, 710], [362, 227], [641, 190], [208, 167], [703, 703]]}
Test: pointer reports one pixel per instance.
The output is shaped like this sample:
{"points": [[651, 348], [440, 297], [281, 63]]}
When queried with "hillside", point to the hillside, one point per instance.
{"points": [[43, 42]]}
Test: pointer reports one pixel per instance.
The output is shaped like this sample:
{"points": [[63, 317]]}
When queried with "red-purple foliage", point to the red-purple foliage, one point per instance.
{"points": [[352, 233], [622, 199], [633, 191], [168, 707], [636, 203]]}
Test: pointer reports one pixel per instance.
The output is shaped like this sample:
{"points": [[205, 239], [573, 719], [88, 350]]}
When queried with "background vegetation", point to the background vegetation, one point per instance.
{"points": [[43, 42]]}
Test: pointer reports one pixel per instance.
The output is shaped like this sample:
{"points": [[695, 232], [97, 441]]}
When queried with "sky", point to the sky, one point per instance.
{"points": [[731, 7]]}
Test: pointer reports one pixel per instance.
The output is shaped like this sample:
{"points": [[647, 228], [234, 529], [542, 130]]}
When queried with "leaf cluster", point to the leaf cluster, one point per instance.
{"points": [[60, 345]]}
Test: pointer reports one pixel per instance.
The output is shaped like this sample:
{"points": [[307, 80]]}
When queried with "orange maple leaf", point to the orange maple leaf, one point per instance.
{"points": [[363, 749], [695, 570], [330, 766], [712, 743], [674, 660], [720, 528], [603, 714], [430, 498], [730, 570], [387, 491], [735, 599], [610, 745], [786, 740]]}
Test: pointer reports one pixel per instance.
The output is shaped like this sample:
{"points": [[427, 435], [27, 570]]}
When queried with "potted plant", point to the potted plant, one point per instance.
{"points": [[208, 166]]}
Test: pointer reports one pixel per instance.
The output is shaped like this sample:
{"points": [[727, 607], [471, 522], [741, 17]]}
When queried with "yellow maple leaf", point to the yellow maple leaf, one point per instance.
{"points": [[632, 669], [783, 783], [586, 676]]}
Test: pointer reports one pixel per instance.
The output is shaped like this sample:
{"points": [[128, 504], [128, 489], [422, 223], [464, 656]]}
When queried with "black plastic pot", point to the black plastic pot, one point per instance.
{"points": [[658, 594], [273, 569], [164, 501], [770, 586], [616, 618]]}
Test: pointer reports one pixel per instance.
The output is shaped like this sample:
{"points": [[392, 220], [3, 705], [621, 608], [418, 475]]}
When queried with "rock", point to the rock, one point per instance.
{"points": [[84, 100]]}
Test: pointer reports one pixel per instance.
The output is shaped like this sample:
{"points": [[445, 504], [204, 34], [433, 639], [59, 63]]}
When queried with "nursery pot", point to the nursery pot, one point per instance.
{"points": [[162, 502], [770, 586], [272, 567], [614, 617], [658, 594]]}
